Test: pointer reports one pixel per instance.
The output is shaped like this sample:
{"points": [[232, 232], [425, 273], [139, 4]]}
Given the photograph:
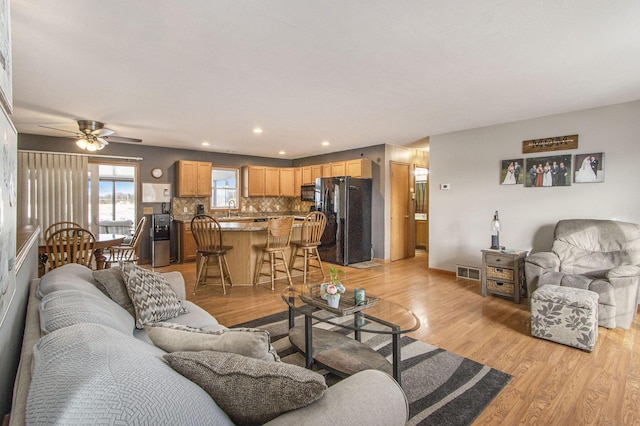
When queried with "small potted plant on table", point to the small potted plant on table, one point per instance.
{"points": [[331, 291]]}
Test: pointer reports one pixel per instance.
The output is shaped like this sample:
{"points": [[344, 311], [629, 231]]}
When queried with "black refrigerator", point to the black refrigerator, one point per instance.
{"points": [[347, 203]]}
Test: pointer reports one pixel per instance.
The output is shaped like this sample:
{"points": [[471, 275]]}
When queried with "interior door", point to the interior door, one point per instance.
{"points": [[401, 241]]}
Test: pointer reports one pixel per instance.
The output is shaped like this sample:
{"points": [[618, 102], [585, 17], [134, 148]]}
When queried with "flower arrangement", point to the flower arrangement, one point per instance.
{"points": [[335, 286]]}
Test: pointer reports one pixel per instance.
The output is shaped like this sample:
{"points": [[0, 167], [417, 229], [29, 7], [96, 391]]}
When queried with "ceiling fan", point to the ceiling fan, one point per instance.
{"points": [[93, 136]]}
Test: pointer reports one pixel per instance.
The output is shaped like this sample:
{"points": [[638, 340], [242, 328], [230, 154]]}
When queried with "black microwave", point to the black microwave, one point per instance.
{"points": [[307, 192]]}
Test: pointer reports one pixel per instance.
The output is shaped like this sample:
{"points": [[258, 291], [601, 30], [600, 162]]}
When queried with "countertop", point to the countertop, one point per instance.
{"points": [[247, 224]]}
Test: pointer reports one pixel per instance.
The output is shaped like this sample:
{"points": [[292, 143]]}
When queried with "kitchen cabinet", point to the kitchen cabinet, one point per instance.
{"points": [[326, 170], [253, 181], [358, 168], [297, 181], [194, 179], [307, 177], [187, 244], [338, 169], [316, 172], [288, 182], [272, 182]]}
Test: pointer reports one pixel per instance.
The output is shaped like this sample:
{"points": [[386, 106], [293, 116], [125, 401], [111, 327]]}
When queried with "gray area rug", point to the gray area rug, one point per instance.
{"points": [[442, 388]]}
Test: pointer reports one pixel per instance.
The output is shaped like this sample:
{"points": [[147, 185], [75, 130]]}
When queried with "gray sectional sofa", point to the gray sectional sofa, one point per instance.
{"points": [[84, 362]]}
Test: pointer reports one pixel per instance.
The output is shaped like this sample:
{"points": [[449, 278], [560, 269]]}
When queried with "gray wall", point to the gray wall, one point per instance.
{"points": [[13, 328], [469, 161]]}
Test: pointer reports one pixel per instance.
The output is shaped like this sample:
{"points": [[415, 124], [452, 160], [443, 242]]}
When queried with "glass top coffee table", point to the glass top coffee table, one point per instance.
{"points": [[335, 351]]}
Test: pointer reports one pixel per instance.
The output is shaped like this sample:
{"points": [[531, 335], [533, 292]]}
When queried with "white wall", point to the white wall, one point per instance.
{"points": [[469, 161]]}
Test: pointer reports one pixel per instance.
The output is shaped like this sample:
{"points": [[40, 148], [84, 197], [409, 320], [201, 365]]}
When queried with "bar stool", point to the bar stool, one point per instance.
{"points": [[312, 230], [208, 235], [278, 239]]}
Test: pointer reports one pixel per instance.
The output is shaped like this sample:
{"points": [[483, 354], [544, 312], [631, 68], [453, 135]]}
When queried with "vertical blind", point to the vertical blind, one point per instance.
{"points": [[53, 188]]}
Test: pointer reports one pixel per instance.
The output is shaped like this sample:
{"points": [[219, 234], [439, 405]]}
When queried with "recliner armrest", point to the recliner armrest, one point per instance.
{"points": [[545, 260], [623, 271]]}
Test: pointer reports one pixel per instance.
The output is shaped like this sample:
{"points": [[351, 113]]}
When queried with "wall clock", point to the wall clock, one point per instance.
{"points": [[156, 173]]}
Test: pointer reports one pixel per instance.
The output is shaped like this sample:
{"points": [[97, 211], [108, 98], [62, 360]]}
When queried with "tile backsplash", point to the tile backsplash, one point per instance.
{"points": [[248, 206]]}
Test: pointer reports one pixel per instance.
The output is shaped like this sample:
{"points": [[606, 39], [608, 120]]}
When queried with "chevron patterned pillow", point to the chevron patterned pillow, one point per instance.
{"points": [[152, 297]]}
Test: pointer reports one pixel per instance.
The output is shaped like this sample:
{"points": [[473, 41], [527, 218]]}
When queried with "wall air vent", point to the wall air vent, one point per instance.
{"points": [[468, 272]]}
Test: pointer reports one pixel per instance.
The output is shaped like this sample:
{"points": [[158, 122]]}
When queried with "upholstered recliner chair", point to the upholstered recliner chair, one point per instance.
{"points": [[597, 255]]}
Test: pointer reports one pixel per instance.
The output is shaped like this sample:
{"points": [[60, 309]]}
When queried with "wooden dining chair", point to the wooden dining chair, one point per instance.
{"points": [[310, 235], [127, 252], [278, 240], [208, 235], [70, 245], [57, 226]]}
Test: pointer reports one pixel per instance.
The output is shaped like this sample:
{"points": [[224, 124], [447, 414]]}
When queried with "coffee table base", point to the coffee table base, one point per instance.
{"points": [[339, 354]]}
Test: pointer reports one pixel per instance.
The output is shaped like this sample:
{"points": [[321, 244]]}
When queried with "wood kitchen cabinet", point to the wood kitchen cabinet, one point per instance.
{"points": [[338, 169], [307, 177], [288, 182], [194, 179], [316, 172], [358, 168], [253, 181], [326, 170], [297, 181], [272, 182], [187, 243]]}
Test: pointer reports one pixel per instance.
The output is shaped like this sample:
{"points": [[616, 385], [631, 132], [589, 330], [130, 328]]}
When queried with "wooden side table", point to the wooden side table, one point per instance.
{"points": [[503, 273]]}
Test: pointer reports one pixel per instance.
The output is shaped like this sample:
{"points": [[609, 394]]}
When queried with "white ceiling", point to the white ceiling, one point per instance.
{"points": [[353, 72]]}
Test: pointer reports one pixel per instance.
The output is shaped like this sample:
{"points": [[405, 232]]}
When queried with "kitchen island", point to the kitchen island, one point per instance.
{"points": [[244, 235]]}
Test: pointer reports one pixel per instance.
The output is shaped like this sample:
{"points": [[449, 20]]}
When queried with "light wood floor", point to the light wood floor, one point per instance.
{"points": [[552, 384]]}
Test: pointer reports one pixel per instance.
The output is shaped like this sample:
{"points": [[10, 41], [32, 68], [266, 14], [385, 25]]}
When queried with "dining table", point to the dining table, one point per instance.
{"points": [[102, 242]]}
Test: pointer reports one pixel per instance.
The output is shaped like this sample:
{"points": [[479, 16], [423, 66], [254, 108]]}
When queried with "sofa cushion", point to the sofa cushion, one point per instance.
{"points": [[68, 307], [249, 390], [152, 297], [112, 281], [72, 276], [91, 374], [196, 317], [250, 342]]}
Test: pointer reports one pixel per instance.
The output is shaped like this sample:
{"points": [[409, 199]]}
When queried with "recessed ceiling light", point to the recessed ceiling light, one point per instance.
{"points": [[204, 143], [325, 143], [257, 130], [282, 153]]}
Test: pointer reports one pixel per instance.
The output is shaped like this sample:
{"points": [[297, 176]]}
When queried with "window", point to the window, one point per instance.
{"points": [[224, 186], [113, 195]]}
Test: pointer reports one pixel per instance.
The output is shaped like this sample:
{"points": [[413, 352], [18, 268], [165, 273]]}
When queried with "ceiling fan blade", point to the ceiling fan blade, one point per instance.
{"points": [[60, 130], [102, 140], [102, 132], [121, 139]]}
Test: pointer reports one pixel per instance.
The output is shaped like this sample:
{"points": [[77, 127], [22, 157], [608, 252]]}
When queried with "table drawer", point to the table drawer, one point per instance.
{"points": [[502, 273], [497, 258], [499, 286]]}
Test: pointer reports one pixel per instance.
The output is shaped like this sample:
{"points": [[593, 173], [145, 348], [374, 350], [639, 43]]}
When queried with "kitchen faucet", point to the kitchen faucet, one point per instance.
{"points": [[232, 201]]}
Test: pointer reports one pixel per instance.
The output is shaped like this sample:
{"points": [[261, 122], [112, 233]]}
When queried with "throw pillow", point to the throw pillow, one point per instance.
{"points": [[251, 342], [152, 297], [112, 282], [92, 375], [250, 391]]}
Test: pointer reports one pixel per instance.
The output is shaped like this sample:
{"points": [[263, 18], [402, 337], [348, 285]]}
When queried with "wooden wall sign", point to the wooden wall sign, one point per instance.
{"points": [[557, 143]]}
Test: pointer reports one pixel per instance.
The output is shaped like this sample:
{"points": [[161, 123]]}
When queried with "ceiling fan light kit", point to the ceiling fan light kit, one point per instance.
{"points": [[93, 135]]}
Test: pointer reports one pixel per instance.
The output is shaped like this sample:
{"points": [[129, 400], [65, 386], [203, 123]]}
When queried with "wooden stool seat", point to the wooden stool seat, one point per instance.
{"points": [[278, 240], [312, 230], [208, 235]]}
